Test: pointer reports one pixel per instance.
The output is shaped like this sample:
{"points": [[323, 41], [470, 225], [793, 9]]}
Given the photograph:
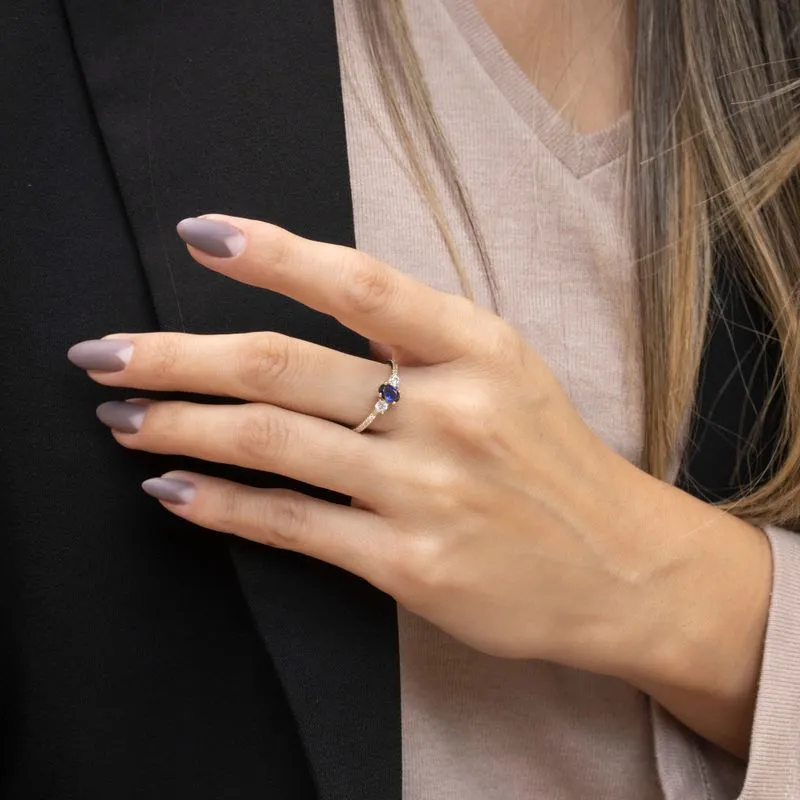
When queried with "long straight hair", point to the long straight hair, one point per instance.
{"points": [[714, 153]]}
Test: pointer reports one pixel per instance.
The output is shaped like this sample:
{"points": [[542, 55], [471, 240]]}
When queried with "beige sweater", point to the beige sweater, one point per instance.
{"points": [[551, 206]]}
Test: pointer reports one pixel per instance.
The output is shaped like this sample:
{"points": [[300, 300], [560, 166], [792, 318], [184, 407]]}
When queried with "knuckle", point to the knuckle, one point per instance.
{"points": [[163, 427], [280, 248], [441, 483], [286, 521], [442, 478], [425, 568], [229, 508], [260, 431], [268, 358], [465, 415], [469, 315], [448, 492], [481, 415], [501, 344], [368, 288], [165, 356]]}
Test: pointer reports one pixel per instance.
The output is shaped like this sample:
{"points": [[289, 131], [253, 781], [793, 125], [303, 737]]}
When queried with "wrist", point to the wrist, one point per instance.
{"points": [[698, 629]]}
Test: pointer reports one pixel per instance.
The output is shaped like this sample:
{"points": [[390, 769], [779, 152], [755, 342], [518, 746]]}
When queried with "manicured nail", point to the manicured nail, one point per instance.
{"points": [[212, 236], [122, 416], [173, 490], [109, 355]]}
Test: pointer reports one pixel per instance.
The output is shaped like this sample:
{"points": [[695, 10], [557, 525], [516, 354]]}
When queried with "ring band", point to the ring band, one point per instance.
{"points": [[388, 395]]}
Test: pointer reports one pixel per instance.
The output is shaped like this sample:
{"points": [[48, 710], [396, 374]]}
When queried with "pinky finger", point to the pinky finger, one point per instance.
{"points": [[354, 539]]}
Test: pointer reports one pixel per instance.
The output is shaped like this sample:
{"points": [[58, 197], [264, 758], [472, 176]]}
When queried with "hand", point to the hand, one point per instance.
{"points": [[482, 501]]}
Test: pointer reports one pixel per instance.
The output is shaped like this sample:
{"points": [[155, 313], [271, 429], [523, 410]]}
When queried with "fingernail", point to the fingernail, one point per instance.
{"points": [[109, 355], [212, 236], [121, 415], [173, 490]]}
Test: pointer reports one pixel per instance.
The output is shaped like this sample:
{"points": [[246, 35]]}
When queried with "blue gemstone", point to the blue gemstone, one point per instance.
{"points": [[391, 394]]}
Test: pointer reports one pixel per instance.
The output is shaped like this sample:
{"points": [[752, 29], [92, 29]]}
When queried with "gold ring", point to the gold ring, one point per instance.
{"points": [[388, 395]]}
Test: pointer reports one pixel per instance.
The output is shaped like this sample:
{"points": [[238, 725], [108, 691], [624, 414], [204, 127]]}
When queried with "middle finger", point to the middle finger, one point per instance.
{"points": [[263, 367]]}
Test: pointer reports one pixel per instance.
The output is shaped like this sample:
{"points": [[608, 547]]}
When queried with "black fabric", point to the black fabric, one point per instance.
{"points": [[149, 658], [142, 656], [237, 108], [735, 426]]}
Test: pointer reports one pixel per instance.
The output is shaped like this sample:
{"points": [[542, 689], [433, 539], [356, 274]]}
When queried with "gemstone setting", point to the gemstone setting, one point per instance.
{"points": [[389, 393]]}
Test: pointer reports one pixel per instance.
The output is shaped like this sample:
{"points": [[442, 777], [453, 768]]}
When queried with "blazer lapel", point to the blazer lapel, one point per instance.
{"points": [[236, 108]]}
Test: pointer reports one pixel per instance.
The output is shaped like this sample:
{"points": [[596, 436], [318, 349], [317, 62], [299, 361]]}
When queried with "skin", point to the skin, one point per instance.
{"points": [[577, 53], [482, 501]]}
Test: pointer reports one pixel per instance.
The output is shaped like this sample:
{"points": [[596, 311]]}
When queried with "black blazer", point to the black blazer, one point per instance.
{"points": [[142, 656]]}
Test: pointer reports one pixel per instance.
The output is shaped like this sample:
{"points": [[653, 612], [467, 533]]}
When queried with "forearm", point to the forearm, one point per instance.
{"points": [[696, 644]]}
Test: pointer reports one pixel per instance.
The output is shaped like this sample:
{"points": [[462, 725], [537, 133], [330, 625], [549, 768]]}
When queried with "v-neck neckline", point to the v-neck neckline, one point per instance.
{"points": [[581, 153]]}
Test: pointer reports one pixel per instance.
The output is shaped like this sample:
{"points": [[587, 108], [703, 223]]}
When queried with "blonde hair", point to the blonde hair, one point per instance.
{"points": [[716, 148]]}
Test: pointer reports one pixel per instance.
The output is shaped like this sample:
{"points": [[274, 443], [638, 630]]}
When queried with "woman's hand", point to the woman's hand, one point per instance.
{"points": [[482, 501]]}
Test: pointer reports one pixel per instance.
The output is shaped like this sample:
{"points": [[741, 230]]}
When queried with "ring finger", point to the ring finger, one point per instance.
{"points": [[255, 436]]}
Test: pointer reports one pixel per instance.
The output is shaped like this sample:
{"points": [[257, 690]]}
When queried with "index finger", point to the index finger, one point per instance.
{"points": [[363, 293]]}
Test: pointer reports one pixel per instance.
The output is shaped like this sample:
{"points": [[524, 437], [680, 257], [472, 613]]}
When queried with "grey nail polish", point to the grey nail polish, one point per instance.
{"points": [[211, 236], [108, 355], [173, 490], [121, 415]]}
